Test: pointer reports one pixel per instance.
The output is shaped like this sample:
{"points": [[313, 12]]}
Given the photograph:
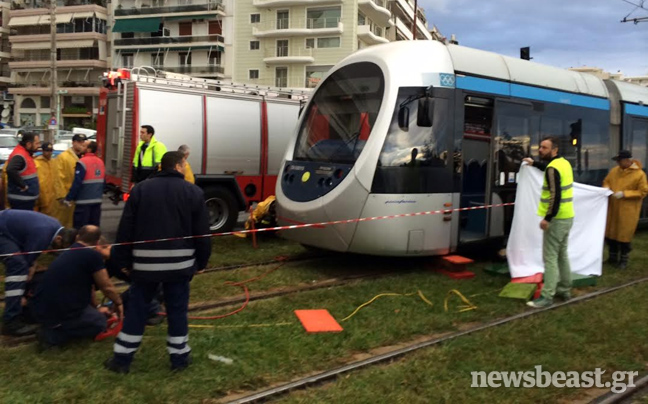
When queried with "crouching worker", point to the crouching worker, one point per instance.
{"points": [[62, 303], [23, 231]]}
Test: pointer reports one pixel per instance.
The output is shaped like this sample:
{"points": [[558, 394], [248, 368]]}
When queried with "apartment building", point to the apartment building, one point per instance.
{"points": [[403, 19], [294, 43], [5, 55], [81, 54], [182, 36]]}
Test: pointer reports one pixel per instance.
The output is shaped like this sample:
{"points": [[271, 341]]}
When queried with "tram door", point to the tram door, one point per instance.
{"points": [[476, 156]]}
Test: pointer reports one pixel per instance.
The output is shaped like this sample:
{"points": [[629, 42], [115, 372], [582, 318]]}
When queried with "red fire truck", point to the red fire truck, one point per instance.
{"points": [[237, 133]]}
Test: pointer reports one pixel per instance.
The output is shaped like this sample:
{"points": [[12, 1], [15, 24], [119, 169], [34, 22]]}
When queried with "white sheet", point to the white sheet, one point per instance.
{"points": [[524, 249]]}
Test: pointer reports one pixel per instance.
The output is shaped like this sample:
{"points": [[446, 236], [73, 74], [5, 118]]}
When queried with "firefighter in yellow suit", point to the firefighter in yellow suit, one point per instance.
{"points": [[64, 167], [45, 168]]}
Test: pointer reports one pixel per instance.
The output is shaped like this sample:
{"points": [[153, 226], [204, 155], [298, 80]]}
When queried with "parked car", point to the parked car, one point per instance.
{"points": [[64, 141], [7, 143]]}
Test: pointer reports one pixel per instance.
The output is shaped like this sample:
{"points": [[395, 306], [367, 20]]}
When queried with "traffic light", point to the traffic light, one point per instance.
{"points": [[575, 133], [525, 53]]}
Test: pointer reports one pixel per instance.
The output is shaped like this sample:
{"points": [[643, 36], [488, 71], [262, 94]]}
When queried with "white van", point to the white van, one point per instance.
{"points": [[90, 134]]}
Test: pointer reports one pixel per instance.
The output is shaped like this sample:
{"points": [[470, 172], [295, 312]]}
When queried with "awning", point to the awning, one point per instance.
{"points": [[137, 25], [87, 43], [192, 17], [65, 18], [24, 21], [169, 49]]}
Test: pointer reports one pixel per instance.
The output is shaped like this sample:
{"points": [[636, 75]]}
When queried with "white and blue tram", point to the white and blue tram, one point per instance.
{"points": [[416, 126]]}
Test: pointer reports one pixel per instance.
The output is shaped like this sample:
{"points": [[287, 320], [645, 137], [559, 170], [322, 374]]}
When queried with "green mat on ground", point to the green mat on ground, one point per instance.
{"points": [[580, 281], [523, 291], [498, 268]]}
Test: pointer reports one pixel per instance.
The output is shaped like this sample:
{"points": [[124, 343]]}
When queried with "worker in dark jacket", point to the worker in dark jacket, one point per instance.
{"points": [[164, 206], [22, 176], [87, 188], [557, 211], [25, 231]]}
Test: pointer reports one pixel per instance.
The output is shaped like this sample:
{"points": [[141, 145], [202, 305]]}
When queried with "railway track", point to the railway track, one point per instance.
{"points": [[332, 374], [640, 389]]}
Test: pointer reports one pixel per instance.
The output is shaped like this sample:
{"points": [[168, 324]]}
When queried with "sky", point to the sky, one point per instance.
{"points": [[561, 33]]}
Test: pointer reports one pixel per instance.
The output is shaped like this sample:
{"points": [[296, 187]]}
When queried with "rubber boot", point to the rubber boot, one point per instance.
{"points": [[613, 248]]}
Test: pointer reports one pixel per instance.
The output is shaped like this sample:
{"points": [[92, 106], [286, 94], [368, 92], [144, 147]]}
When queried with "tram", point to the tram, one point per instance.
{"points": [[416, 126]]}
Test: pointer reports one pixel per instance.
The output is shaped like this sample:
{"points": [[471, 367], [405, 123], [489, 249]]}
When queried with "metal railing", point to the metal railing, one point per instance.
{"points": [[309, 23], [193, 69], [279, 52], [60, 3], [180, 8], [169, 40]]}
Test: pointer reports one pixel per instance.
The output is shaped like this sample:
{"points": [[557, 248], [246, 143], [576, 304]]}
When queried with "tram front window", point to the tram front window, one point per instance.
{"points": [[341, 115]]}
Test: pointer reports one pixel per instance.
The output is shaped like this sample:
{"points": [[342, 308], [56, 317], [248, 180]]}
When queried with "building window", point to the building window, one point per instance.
{"points": [[215, 58], [310, 43], [283, 19], [254, 45], [28, 103], [127, 60], [281, 77], [325, 17], [185, 58], [362, 20], [127, 35], [45, 102], [328, 42], [253, 74], [282, 48], [255, 18], [215, 28], [185, 28]]}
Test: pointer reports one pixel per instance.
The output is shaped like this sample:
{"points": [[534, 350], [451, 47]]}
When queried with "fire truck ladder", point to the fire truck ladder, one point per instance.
{"points": [[147, 74]]}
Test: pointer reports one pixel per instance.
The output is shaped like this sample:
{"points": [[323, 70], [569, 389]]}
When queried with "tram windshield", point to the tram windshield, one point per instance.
{"points": [[341, 115]]}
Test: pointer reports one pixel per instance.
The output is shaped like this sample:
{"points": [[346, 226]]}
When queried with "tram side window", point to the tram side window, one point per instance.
{"points": [[512, 143], [638, 141], [341, 115]]}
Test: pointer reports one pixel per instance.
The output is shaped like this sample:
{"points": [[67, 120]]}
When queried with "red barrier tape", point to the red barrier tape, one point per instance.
{"points": [[291, 227]]}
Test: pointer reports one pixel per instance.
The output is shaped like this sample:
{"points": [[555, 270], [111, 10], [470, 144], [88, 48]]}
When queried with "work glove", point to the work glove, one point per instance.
{"points": [[618, 195]]}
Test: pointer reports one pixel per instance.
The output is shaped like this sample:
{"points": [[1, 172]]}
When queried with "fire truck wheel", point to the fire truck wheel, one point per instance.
{"points": [[221, 207]]}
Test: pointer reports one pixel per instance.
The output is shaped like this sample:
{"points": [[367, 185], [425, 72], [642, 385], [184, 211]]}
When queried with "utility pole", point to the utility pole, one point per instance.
{"points": [[414, 22], [53, 76]]}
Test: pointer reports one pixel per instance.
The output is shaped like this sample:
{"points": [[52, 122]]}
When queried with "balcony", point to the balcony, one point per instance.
{"points": [[298, 27], [290, 3], [407, 14], [24, 65], [274, 56], [171, 41], [371, 35], [377, 11], [206, 70], [211, 7], [44, 4]]}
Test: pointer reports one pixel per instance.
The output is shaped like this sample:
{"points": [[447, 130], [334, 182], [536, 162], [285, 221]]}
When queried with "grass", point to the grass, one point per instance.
{"points": [[275, 353], [605, 333]]}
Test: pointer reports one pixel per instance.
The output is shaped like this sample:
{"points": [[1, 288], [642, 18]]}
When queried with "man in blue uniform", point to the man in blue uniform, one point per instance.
{"points": [[87, 188], [25, 231], [63, 298], [164, 206]]}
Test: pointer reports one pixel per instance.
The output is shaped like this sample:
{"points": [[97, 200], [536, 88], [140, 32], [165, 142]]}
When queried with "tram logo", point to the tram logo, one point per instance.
{"points": [[447, 80]]}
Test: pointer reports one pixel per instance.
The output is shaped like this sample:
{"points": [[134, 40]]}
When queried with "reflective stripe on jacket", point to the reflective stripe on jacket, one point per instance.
{"points": [[92, 186], [29, 174], [565, 189]]}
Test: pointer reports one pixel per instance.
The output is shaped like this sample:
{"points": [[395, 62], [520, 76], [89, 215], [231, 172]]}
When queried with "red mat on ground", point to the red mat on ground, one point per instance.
{"points": [[538, 291], [318, 321], [457, 259], [537, 278], [457, 275]]}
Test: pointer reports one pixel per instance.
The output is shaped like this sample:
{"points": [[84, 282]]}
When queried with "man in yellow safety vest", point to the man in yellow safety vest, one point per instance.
{"points": [[148, 155], [557, 209]]}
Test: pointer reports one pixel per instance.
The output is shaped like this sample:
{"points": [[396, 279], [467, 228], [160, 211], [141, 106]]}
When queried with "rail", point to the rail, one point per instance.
{"points": [[180, 8], [169, 40]]}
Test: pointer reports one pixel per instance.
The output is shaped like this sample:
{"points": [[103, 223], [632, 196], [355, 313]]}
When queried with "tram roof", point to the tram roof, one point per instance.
{"points": [[632, 92], [489, 64]]}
